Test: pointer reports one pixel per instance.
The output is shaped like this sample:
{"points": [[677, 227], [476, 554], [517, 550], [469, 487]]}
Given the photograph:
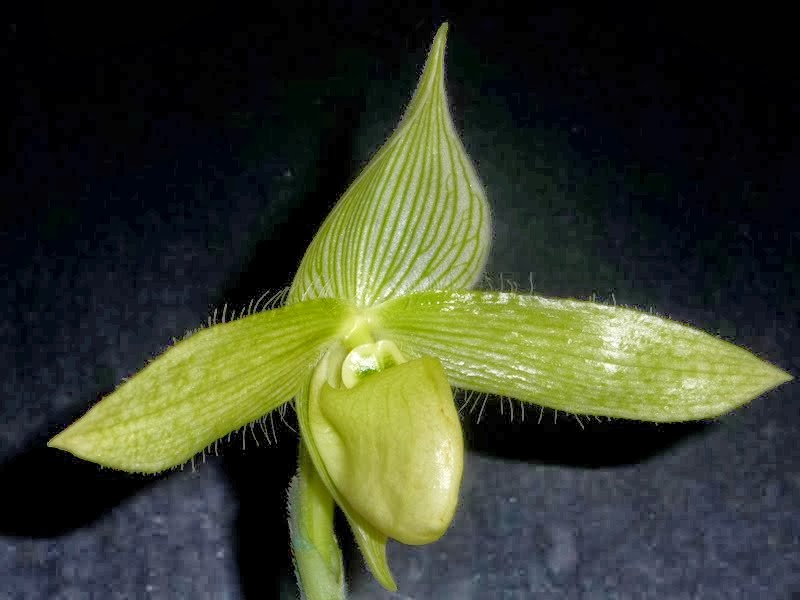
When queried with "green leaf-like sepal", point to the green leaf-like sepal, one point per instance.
{"points": [[580, 357], [204, 387], [416, 217]]}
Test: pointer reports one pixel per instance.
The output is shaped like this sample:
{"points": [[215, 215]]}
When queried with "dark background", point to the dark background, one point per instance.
{"points": [[153, 173]]}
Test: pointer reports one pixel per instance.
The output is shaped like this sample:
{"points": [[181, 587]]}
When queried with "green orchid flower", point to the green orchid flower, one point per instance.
{"points": [[380, 324]]}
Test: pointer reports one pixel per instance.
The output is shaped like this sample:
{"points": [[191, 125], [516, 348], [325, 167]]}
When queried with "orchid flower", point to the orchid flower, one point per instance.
{"points": [[380, 324]]}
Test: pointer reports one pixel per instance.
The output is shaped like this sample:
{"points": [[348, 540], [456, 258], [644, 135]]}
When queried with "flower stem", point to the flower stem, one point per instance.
{"points": [[317, 557]]}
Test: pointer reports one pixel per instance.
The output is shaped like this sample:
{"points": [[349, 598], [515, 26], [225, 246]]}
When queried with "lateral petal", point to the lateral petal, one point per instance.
{"points": [[204, 387], [581, 357]]}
